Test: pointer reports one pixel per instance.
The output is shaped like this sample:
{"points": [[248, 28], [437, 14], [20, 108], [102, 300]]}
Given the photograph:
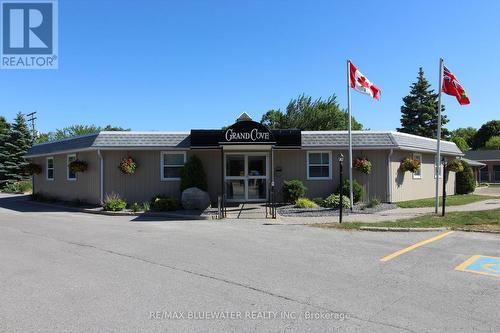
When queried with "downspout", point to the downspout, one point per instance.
{"points": [[389, 176], [101, 177]]}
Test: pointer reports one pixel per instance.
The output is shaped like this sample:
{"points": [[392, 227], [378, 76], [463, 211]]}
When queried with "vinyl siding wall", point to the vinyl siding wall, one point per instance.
{"points": [[84, 188], [406, 187], [147, 182], [293, 165]]}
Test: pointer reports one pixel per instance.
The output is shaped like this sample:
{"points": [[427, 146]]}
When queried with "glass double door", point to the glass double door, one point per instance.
{"points": [[246, 176]]}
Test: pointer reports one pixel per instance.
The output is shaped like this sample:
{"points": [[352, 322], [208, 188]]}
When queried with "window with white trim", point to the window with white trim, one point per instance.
{"points": [[69, 174], [418, 174], [319, 165], [171, 165], [50, 168]]}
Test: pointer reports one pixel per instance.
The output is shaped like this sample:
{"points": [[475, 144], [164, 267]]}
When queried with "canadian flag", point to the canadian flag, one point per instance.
{"points": [[359, 82]]}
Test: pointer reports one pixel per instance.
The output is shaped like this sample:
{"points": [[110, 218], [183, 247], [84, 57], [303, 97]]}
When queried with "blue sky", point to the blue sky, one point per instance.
{"points": [[165, 65]]}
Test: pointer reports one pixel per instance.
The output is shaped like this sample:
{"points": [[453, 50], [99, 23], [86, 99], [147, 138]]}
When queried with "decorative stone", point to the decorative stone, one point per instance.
{"points": [[194, 198]]}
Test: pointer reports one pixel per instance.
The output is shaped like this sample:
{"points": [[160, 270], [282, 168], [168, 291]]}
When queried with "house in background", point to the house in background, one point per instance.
{"points": [[490, 173]]}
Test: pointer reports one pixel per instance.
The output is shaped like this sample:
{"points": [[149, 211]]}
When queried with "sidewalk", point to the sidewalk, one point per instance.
{"points": [[393, 214]]}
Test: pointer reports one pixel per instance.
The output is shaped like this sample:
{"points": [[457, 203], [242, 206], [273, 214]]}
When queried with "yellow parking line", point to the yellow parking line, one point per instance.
{"points": [[414, 246]]}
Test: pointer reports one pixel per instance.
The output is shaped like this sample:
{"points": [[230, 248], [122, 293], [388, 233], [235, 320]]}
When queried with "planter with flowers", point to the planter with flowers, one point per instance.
{"points": [[33, 169], [127, 166], [409, 164], [455, 166], [362, 164], [78, 166]]}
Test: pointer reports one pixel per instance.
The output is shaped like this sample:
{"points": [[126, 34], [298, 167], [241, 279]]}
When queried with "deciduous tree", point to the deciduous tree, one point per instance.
{"points": [[313, 115]]}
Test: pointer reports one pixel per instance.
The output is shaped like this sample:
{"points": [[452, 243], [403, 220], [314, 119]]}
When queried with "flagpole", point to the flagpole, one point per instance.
{"points": [[349, 131], [438, 155]]}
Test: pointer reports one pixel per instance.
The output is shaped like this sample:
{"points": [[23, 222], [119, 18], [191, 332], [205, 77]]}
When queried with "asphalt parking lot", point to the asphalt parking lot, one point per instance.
{"points": [[63, 271]]}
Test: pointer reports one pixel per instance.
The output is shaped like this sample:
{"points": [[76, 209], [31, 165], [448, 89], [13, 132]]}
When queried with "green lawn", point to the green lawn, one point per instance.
{"points": [[452, 200], [479, 220]]}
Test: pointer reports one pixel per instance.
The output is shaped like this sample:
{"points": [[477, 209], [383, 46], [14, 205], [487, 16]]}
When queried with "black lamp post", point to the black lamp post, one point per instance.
{"points": [[341, 159], [444, 185]]}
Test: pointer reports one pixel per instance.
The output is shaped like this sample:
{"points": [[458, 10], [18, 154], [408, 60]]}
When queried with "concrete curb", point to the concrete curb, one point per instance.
{"points": [[481, 231], [107, 213], [397, 229]]}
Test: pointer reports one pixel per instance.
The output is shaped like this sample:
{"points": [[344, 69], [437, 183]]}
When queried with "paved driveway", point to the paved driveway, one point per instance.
{"points": [[65, 271]]}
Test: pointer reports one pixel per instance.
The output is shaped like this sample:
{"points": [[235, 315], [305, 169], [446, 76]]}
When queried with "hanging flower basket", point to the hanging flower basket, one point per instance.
{"points": [[362, 164], [455, 166], [409, 164], [78, 166], [128, 166], [33, 169]]}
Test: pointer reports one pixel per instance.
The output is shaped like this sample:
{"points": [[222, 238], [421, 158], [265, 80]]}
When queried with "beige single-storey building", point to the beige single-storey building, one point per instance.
{"points": [[242, 163]]}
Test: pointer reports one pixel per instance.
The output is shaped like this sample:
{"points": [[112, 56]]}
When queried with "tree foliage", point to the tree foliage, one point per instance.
{"points": [[75, 130], [466, 133], [18, 142], [493, 143], [304, 113], [4, 134], [485, 132], [419, 111], [460, 142]]}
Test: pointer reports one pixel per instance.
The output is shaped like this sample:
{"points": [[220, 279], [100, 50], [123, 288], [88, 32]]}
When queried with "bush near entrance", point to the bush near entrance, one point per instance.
{"points": [[164, 203], [193, 175], [293, 190]]}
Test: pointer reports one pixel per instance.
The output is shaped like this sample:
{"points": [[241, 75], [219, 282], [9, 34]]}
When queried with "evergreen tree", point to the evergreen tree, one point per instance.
{"points": [[18, 142], [4, 134], [419, 112]]}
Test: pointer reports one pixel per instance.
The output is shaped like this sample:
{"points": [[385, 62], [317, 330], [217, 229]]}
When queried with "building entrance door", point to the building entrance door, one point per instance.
{"points": [[246, 176]]}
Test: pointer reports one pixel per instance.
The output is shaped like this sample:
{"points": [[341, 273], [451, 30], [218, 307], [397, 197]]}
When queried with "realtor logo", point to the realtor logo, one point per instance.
{"points": [[29, 34]]}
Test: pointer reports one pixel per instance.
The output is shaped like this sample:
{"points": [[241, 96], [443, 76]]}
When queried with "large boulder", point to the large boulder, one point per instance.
{"points": [[194, 198]]}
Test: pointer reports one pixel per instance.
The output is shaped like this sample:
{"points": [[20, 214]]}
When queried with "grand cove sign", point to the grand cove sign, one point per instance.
{"points": [[245, 132], [248, 132]]}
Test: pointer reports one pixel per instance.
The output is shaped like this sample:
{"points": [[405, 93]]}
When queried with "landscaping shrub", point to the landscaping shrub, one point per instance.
{"points": [[362, 164], [293, 190], [164, 203], [465, 182], [113, 202], [135, 207], [305, 203], [21, 186], [146, 206], [357, 190], [319, 201], [193, 175], [374, 202], [333, 201]]}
